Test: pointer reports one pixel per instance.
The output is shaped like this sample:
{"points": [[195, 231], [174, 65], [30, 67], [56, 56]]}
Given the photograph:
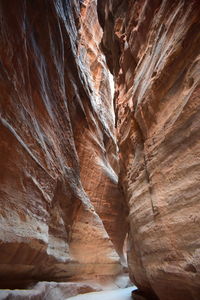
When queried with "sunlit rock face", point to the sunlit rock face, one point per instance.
{"points": [[61, 214], [152, 48], [95, 133]]}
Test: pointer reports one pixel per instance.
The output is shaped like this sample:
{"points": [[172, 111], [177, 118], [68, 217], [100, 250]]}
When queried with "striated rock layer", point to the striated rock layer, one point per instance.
{"points": [[153, 49], [61, 212]]}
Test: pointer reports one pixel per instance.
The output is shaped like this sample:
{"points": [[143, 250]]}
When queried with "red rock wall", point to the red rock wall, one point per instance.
{"points": [[153, 49], [61, 211]]}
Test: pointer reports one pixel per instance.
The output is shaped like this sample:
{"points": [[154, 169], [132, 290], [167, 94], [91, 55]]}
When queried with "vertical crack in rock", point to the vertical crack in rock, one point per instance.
{"points": [[147, 174]]}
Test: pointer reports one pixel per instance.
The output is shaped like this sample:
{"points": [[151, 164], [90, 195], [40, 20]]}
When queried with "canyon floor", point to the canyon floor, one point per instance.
{"points": [[119, 294], [70, 291]]}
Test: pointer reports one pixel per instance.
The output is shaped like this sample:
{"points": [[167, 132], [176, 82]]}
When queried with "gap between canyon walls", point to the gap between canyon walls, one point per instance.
{"points": [[152, 49], [62, 212], [95, 133]]}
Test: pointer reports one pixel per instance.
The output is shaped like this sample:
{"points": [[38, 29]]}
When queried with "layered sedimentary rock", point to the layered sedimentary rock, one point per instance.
{"points": [[153, 49], [95, 135], [58, 164]]}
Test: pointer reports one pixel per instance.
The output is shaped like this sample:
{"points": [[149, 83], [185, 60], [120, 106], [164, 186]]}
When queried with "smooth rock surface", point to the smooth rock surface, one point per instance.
{"points": [[120, 294], [50, 291], [61, 211], [153, 49]]}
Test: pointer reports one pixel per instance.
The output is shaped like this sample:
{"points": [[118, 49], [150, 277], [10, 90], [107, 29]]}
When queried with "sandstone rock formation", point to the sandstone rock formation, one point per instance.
{"points": [[153, 49], [61, 213], [50, 291]]}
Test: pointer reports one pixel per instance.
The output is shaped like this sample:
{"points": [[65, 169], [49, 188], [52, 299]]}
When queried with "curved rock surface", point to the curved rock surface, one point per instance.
{"points": [[153, 49], [61, 212], [119, 294], [50, 291]]}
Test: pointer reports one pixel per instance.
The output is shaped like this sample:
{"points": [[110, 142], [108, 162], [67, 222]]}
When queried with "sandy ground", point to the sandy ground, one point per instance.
{"points": [[119, 294]]}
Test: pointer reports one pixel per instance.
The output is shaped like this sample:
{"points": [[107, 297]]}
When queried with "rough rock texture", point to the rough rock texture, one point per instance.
{"points": [[153, 49], [58, 164], [95, 134]]}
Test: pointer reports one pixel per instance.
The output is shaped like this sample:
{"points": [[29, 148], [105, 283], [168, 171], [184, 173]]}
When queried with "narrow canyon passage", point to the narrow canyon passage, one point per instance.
{"points": [[99, 149]]}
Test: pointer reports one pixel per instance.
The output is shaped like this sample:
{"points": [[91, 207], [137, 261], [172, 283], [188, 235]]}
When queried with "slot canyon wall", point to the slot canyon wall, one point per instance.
{"points": [[61, 212], [153, 49]]}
